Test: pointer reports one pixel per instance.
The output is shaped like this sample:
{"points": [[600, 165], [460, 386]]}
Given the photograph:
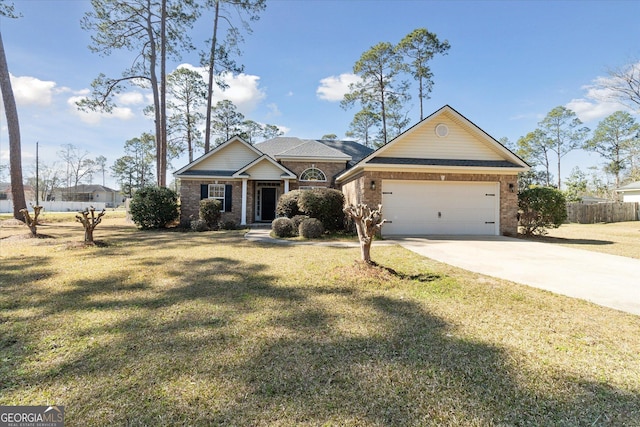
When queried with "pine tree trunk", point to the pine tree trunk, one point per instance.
{"points": [[13, 125], [212, 61]]}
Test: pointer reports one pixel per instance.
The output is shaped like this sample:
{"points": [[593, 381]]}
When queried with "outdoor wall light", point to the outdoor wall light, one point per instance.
{"points": [[373, 185], [511, 188]]}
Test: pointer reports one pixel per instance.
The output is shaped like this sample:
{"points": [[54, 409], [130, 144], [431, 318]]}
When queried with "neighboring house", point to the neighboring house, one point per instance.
{"points": [[88, 193], [630, 192], [443, 176], [5, 192], [592, 200]]}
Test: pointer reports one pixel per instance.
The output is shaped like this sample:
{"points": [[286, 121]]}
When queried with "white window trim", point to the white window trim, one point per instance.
{"points": [[221, 198], [316, 170]]}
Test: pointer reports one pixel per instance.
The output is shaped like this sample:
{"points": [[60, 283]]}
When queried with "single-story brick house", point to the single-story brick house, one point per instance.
{"points": [[444, 175]]}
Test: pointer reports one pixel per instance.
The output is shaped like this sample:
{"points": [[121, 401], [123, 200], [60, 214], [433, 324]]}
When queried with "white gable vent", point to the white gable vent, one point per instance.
{"points": [[442, 130]]}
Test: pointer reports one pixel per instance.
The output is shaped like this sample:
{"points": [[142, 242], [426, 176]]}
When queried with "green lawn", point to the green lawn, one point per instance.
{"points": [[617, 238], [170, 328]]}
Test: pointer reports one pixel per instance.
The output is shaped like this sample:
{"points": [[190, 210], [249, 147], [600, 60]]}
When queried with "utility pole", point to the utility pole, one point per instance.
{"points": [[37, 177]]}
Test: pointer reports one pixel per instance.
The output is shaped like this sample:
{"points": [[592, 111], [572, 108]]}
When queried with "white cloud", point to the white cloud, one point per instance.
{"points": [[95, 117], [130, 98], [273, 110], [32, 91], [334, 88], [598, 102], [589, 110], [243, 90]]}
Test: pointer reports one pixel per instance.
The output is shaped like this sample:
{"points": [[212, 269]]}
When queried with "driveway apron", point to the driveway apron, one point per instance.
{"points": [[607, 280]]}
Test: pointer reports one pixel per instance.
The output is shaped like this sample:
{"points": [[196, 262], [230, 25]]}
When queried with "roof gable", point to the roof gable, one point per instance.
{"points": [[226, 157], [461, 144], [463, 140], [264, 168]]}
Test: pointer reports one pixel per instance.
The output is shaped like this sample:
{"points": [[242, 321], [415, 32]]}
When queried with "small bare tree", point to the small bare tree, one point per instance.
{"points": [[89, 221], [368, 223], [32, 222]]}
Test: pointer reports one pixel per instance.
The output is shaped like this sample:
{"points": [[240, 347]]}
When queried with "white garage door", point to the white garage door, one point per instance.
{"points": [[440, 207]]}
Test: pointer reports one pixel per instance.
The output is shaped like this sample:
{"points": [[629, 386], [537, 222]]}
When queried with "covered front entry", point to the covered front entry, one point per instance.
{"points": [[266, 200], [440, 207]]}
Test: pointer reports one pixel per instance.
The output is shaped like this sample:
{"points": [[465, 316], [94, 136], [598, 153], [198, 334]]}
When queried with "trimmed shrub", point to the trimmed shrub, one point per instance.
{"points": [[282, 227], [325, 204], [229, 225], [540, 208], [311, 228], [297, 220], [210, 212], [198, 225], [288, 204], [154, 207]]}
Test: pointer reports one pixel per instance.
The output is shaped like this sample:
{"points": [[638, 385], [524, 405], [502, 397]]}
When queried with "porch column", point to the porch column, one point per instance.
{"points": [[243, 215], [286, 185]]}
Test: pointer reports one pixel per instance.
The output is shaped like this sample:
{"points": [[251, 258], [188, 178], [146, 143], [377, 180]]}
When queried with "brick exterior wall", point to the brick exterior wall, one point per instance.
{"points": [[358, 190], [330, 170], [190, 199]]}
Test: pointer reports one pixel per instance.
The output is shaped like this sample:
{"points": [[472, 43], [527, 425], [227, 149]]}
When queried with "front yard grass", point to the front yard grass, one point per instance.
{"points": [[618, 238], [170, 328]]}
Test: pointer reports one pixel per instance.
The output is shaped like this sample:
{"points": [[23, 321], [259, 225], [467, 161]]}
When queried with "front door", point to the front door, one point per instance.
{"points": [[268, 206]]}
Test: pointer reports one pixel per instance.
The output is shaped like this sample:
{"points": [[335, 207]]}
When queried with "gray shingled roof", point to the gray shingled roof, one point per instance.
{"points": [[297, 147], [631, 186], [88, 188], [354, 149], [442, 162], [207, 173]]}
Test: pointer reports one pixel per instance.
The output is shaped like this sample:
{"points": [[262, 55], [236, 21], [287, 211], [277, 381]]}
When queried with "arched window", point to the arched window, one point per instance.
{"points": [[313, 174]]}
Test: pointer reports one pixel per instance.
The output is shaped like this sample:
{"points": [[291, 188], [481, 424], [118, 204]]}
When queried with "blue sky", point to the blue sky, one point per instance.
{"points": [[509, 64]]}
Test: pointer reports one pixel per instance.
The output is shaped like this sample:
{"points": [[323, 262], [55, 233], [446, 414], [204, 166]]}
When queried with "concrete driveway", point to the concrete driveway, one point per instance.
{"points": [[607, 280]]}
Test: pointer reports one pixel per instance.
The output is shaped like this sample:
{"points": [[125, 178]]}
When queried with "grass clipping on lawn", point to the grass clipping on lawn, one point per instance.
{"points": [[208, 329]]}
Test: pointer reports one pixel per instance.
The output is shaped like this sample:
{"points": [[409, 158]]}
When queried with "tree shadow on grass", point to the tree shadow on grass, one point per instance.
{"points": [[568, 241], [227, 343], [413, 371]]}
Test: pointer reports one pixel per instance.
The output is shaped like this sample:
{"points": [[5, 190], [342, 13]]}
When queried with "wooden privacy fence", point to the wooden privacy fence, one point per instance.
{"points": [[603, 212]]}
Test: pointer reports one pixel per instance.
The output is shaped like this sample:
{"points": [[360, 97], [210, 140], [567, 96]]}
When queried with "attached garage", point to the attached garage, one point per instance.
{"points": [[444, 176], [434, 207]]}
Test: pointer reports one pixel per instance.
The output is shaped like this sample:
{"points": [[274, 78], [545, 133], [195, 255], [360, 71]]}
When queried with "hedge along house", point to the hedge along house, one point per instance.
{"points": [[444, 175], [249, 179]]}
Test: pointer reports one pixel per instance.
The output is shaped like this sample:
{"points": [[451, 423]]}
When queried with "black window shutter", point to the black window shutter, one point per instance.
{"points": [[204, 191], [227, 197]]}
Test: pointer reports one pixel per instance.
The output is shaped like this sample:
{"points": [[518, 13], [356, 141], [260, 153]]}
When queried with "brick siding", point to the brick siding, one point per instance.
{"points": [[190, 199], [358, 190]]}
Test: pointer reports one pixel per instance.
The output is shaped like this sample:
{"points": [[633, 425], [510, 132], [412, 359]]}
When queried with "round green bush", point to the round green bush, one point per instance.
{"points": [[154, 207], [288, 204], [311, 228], [198, 225], [540, 208], [325, 204], [282, 227], [210, 212], [229, 225], [297, 220]]}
